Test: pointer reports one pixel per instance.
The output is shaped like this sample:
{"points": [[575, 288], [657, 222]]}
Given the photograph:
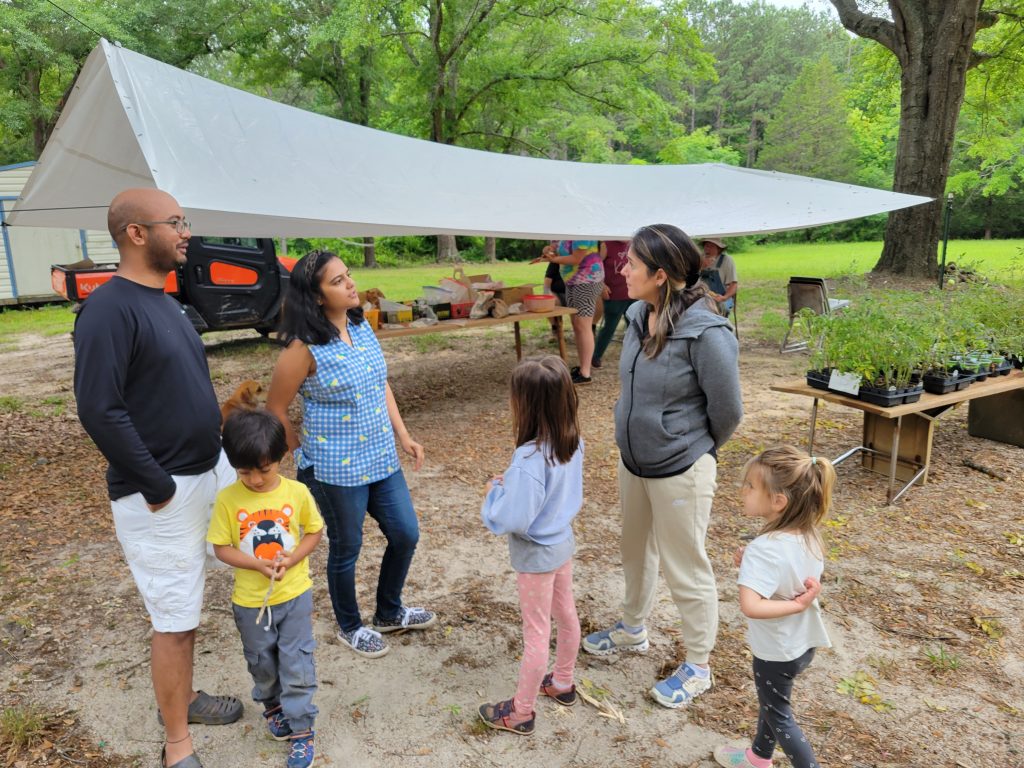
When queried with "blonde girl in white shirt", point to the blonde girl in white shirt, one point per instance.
{"points": [[779, 582]]}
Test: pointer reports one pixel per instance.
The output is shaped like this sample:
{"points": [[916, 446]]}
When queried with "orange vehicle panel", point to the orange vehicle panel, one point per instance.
{"points": [[222, 273]]}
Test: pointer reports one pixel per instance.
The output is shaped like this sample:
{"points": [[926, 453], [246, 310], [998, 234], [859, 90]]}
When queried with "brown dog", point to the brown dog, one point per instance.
{"points": [[374, 295], [249, 395]]}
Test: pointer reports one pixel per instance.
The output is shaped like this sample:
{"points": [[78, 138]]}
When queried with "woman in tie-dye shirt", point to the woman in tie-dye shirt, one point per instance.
{"points": [[583, 272], [346, 450]]}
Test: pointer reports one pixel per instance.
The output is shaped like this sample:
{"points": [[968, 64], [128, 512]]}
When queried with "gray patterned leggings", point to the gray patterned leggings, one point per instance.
{"points": [[775, 721]]}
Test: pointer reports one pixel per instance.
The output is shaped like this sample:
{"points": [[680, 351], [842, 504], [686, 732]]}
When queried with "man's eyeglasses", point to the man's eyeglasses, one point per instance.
{"points": [[180, 225]]}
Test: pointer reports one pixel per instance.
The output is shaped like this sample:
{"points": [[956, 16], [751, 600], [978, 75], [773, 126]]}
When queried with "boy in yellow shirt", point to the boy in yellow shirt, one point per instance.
{"points": [[265, 526]]}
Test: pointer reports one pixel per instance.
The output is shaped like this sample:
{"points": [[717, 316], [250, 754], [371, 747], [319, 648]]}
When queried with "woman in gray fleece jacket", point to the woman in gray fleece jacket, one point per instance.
{"points": [[680, 402]]}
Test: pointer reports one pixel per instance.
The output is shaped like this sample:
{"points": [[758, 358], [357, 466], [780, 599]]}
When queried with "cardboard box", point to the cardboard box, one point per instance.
{"points": [[514, 294]]}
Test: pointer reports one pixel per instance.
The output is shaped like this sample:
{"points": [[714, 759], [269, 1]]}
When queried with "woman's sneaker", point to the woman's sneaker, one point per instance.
{"points": [[681, 687], [365, 642], [566, 698], [409, 618], [277, 723], [301, 754], [577, 377], [616, 639]]}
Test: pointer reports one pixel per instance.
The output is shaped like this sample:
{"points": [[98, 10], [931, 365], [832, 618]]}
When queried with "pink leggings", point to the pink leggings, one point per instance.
{"points": [[541, 597]]}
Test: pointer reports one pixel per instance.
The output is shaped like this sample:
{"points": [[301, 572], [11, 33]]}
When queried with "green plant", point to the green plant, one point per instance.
{"points": [[10, 404], [941, 661], [21, 726]]}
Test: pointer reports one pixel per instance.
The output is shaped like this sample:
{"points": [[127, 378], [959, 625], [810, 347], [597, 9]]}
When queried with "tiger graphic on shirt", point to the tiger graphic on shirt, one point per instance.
{"points": [[265, 533]]}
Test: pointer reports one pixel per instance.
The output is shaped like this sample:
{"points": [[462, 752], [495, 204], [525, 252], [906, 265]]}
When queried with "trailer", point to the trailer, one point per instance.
{"points": [[26, 253]]}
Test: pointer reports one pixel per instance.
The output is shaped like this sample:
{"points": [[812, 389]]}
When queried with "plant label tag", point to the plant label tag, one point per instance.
{"points": [[848, 383]]}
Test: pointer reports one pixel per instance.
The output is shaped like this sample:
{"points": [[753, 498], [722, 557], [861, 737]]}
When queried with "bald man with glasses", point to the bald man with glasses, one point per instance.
{"points": [[145, 398]]}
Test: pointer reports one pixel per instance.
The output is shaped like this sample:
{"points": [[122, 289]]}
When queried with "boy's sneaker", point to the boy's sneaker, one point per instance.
{"points": [[409, 618], [277, 723], [733, 757], [498, 716], [301, 754], [616, 639], [565, 698], [365, 642], [681, 687]]}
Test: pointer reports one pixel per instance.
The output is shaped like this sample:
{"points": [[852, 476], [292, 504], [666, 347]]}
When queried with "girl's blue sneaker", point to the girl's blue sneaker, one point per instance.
{"points": [[301, 755]]}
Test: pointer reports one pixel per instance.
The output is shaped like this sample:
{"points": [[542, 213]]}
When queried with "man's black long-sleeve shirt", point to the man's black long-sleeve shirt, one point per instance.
{"points": [[143, 389]]}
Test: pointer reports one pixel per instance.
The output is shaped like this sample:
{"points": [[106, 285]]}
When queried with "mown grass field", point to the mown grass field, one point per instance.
{"points": [[763, 273]]}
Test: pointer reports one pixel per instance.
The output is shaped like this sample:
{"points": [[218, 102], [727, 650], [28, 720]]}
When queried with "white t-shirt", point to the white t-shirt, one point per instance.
{"points": [[775, 565]]}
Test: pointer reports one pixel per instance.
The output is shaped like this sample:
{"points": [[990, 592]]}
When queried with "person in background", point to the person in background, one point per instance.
{"points": [[718, 272], [616, 297], [583, 273], [144, 395], [553, 283], [779, 582], [554, 286], [679, 403]]}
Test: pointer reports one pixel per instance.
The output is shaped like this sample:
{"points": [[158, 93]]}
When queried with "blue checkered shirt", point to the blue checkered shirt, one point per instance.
{"points": [[346, 431]]}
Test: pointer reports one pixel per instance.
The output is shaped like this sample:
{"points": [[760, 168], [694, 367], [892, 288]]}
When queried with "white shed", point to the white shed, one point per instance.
{"points": [[26, 253]]}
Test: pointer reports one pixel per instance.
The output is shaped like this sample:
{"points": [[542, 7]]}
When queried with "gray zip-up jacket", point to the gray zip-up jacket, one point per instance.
{"points": [[683, 403]]}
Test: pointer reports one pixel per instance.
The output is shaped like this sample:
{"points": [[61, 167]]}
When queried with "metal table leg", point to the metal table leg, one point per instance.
{"points": [[814, 423], [893, 458]]}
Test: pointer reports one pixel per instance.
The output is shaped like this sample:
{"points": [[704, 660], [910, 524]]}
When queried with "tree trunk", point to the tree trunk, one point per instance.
{"points": [[369, 253], [933, 40], [39, 132], [752, 143], [491, 249], [446, 248]]}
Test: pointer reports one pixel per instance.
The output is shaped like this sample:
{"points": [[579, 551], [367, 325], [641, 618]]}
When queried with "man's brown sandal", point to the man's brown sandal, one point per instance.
{"points": [[211, 710]]}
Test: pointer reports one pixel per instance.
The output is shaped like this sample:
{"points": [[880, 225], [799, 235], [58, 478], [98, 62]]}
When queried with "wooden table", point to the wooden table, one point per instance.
{"points": [[448, 326], [897, 441]]}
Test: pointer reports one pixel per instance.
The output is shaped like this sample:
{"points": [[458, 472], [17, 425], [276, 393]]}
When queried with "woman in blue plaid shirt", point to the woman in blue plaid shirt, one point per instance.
{"points": [[346, 450]]}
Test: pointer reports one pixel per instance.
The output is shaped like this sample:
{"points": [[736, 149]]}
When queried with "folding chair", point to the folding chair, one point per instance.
{"points": [[808, 293]]}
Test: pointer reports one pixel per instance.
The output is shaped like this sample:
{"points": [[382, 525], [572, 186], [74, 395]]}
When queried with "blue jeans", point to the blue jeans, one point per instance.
{"points": [[279, 654], [344, 509]]}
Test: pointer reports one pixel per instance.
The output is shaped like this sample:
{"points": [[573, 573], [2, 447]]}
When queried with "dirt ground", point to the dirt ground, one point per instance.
{"points": [[922, 599]]}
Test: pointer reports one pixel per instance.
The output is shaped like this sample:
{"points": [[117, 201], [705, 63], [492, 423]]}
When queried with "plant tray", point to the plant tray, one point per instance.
{"points": [[942, 385], [888, 398], [818, 379]]}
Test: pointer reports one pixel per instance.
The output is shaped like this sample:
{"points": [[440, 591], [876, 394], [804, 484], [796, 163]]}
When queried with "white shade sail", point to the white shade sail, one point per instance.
{"points": [[242, 165]]}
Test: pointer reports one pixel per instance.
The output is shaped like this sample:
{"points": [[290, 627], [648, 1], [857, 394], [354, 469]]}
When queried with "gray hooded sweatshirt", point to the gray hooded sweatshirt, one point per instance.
{"points": [[683, 403]]}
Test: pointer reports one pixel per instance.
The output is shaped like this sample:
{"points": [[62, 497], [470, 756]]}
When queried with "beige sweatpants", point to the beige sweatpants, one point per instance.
{"points": [[665, 520]]}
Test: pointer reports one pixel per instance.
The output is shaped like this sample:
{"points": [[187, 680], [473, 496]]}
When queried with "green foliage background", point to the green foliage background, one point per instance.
{"points": [[610, 81]]}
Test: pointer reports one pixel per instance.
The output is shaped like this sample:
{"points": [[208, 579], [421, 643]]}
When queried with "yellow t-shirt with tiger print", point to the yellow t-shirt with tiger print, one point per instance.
{"points": [[261, 525]]}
